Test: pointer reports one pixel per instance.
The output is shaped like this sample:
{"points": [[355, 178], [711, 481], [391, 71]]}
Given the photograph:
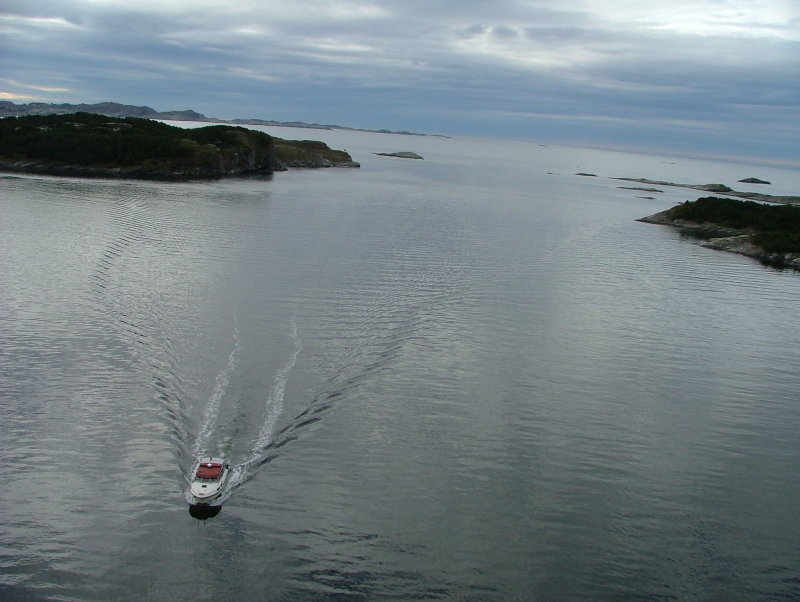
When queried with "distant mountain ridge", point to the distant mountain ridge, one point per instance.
{"points": [[110, 109], [115, 109]]}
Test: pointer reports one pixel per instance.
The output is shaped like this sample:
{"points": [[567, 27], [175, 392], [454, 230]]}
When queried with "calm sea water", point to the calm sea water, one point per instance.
{"points": [[473, 377]]}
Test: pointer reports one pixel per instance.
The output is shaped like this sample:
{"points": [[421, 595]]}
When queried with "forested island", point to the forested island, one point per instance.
{"points": [[769, 233], [84, 144]]}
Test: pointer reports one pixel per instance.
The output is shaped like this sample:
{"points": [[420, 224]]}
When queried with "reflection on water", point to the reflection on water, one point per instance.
{"points": [[464, 378]]}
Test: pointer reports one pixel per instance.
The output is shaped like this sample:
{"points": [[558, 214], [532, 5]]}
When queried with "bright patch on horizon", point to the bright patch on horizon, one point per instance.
{"points": [[737, 18], [524, 52], [333, 45], [18, 84], [326, 10], [357, 11], [710, 28], [14, 96], [254, 75], [251, 30], [38, 21]]}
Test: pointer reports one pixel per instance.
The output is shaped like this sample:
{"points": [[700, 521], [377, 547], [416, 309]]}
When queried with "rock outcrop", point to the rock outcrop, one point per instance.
{"points": [[310, 153], [401, 155]]}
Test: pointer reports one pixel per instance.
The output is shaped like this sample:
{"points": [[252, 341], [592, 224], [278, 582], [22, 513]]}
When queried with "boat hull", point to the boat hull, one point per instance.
{"points": [[209, 476]]}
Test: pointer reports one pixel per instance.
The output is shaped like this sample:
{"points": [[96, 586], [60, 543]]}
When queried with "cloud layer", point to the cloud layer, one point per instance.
{"points": [[709, 75]]}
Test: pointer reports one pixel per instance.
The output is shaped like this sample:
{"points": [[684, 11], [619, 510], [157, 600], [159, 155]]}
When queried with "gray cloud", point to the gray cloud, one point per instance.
{"points": [[458, 67], [504, 32]]}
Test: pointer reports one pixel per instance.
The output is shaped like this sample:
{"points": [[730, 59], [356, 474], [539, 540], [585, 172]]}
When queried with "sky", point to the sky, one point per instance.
{"points": [[704, 77]]}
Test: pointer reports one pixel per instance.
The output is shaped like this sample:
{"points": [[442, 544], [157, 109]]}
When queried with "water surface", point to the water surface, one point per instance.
{"points": [[470, 377]]}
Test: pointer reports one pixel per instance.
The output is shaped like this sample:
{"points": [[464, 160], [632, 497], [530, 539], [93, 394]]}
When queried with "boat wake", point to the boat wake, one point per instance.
{"points": [[367, 358], [273, 408], [220, 387], [274, 404], [364, 361]]}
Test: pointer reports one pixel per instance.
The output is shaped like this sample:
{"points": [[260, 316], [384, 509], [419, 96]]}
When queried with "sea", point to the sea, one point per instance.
{"points": [[473, 377]]}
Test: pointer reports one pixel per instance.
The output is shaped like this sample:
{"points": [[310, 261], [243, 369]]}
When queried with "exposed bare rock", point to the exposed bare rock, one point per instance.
{"points": [[401, 155]]}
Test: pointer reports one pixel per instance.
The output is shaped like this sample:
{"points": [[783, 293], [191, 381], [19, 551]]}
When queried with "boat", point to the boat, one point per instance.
{"points": [[209, 476]]}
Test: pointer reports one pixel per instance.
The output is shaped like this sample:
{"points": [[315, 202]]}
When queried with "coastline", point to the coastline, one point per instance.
{"points": [[135, 172], [722, 238]]}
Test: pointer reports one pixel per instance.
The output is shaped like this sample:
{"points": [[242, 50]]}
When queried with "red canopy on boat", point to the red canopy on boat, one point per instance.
{"points": [[209, 470]]}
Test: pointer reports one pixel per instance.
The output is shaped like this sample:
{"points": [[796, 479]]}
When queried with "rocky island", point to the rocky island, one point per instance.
{"points": [[401, 155], [769, 233], [92, 145], [721, 189]]}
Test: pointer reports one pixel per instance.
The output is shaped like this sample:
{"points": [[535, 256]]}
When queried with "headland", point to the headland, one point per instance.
{"points": [[768, 233], [94, 145]]}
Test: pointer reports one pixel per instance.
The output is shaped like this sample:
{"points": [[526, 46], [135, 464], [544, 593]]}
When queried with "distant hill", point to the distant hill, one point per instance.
{"points": [[111, 109], [115, 109]]}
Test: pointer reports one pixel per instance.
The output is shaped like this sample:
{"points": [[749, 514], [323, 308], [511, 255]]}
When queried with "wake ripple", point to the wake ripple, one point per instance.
{"points": [[214, 402]]}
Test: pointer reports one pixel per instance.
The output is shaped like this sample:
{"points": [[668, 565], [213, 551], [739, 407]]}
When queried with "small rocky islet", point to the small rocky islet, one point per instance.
{"points": [[92, 145], [401, 155]]}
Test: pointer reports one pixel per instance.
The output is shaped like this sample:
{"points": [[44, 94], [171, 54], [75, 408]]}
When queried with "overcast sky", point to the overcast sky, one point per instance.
{"points": [[709, 76]]}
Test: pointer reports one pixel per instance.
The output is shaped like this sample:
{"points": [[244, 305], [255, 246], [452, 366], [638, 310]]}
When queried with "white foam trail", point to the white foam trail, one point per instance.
{"points": [[273, 408], [274, 405], [220, 387]]}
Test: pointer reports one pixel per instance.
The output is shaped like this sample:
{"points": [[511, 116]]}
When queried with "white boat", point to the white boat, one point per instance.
{"points": [[209, 476]]}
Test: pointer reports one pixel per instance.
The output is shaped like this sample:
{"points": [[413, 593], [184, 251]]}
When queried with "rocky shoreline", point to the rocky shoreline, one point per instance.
{"points": [[721, 238], [135, 172], [288, 159], [309, 154]]}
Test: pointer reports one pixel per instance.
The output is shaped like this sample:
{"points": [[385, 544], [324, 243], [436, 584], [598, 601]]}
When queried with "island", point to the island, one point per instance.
{"points": [[720, 189], [94, 145], [401, 155], [769, 233]]}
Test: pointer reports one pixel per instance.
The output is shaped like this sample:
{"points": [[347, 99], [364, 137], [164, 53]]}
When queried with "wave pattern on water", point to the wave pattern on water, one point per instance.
{"points": [[497, 393]]}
